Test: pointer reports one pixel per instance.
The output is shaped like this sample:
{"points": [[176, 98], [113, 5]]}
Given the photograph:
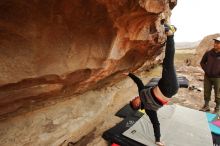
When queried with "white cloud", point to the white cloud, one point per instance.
{"points": [[196, 19]]}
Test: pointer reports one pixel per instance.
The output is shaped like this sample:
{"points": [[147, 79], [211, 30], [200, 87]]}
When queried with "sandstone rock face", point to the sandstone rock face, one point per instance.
{"points": [[206, 44], [53, 50]]}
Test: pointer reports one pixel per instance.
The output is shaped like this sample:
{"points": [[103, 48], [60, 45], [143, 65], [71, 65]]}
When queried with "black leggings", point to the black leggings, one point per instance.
{"points": [[168, 84]]}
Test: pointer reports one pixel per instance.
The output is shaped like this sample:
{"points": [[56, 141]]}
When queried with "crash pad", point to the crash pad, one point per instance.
{"points": [[214, 123], [179, 126], [183, 82]]}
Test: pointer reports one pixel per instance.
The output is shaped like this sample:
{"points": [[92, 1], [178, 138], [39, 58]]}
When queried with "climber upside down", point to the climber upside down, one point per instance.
{"points": [[152, 98]]}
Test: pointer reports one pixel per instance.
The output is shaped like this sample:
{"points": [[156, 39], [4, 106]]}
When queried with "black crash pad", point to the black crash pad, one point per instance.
{"points": [[216, 139], [183, 82], [127, 111], [114, 135]]}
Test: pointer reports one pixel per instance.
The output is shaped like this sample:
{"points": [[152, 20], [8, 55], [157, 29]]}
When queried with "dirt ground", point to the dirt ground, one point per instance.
{"points": [[191, 97]]}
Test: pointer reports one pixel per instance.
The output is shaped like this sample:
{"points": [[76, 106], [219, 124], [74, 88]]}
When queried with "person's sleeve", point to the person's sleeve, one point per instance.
{"points": [[155, 122], [138, 81], [204, 61]]}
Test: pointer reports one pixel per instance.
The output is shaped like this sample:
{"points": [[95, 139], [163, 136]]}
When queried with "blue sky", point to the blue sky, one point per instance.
{"points": [[195, 19]]}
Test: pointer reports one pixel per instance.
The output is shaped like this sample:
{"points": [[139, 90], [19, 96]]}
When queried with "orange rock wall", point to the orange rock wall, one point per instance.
{"points": [[52, 49]]}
